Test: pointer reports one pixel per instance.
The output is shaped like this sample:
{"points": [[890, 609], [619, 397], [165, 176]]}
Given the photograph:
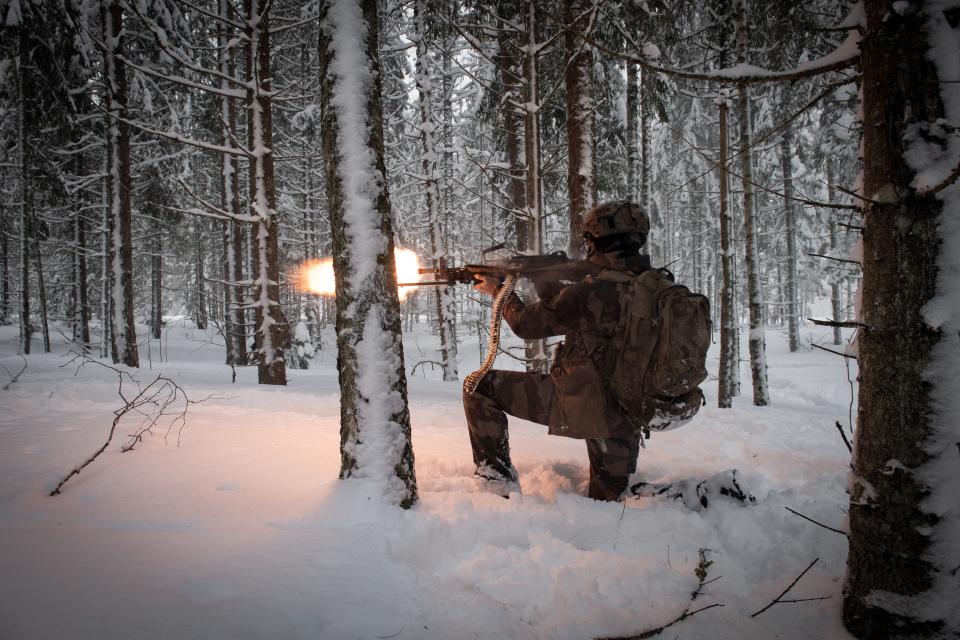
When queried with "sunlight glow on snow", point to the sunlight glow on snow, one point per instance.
{"points": [[317, 276]]}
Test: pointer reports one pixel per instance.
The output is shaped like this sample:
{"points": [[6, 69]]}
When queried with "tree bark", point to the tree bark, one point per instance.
{"points": [[834, 276], [580, 139], [272, 332], [903, 519], [633, 157], [25, 197], [41, 287], [374, 417], [509, 67], [793, 260], [123, 331], [757, 342], [446, 312]]}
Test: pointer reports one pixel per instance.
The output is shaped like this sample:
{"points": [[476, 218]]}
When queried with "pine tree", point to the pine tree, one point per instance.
{"points": [[374, 418]]}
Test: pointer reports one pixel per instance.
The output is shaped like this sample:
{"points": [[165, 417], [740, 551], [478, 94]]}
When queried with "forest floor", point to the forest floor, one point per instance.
{"points": [[237, 527]]}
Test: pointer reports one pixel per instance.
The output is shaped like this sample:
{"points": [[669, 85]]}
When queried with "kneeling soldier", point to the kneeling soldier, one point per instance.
{"points": [[573, 400]]}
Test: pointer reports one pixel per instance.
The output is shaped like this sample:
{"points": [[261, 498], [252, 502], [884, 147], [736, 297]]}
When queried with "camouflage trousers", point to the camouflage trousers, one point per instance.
{"points": [[532, 396]]}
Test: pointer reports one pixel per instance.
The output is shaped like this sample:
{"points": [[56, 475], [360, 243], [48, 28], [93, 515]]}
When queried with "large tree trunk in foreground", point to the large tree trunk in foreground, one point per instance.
{"points": [[118, 189], [374, 418], [902, 567]]}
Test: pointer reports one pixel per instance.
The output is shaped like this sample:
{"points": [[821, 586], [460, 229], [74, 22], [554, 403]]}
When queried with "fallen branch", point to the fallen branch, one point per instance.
{"points": [[14, 378], [819, 524], [701, 573], [151, 401], [779, 598], [844, 436]]}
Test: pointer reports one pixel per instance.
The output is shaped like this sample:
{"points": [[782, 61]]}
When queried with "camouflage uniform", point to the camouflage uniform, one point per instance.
{"points": [[572, 400]]}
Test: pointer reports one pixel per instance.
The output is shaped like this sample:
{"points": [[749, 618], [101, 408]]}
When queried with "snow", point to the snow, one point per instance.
{"points": [[942, 473], [244, 530]]}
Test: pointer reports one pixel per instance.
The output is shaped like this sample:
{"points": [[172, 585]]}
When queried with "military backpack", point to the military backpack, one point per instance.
{"points": [[659, 349]]}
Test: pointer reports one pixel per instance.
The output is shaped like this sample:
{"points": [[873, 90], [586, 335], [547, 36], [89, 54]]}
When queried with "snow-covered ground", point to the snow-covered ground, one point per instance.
{"points": [[244, 531]]}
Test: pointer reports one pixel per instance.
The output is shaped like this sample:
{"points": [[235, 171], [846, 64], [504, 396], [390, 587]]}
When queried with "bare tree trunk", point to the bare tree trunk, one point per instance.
{"points": [[633, 158], [41, 287], [233, 325], [757, 342], [374, 418], [903, 553], [834, 276], [272, 333], [156, 277], [580, 139], [25, 197], [118, 187], [446, 318], [793, 259], [199, 291], [536, 355], [81, 308], [509, 68], [106, 308], [4, 271]]}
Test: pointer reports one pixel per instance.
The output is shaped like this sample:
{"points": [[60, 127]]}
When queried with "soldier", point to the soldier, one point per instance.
{"points": [[573, 399]]}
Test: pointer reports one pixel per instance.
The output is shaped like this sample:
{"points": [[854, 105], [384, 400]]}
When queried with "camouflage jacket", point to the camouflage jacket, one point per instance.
{"points": [[587, 314]]}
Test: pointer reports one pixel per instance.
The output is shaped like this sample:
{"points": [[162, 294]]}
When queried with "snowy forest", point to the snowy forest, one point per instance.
{"points": [[227, 409]]}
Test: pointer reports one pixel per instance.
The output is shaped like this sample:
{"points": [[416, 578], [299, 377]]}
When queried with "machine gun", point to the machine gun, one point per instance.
{"points": [[547, 272]]}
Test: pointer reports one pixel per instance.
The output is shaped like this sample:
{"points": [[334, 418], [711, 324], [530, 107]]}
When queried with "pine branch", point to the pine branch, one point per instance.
{"points": [[844, 436], [845, 324], [834, 258], [839, 353]]}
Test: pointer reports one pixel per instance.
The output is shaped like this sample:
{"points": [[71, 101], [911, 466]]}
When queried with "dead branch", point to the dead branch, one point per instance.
{"points": [[779, 598], [701, 573], [14, 378], [844, 436], [161, 398], [819, 524], [432, 363], [847, 324], [838, 353], [820, 255]]}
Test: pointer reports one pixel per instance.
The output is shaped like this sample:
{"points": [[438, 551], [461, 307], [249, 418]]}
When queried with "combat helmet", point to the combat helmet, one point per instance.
{"points": [[616, 218]]}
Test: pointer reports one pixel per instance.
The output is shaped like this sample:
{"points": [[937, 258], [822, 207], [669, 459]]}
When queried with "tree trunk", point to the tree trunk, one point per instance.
{"points": [[118, 187], [272, 333], [903, 553], [793, 260], [509, 67], [446, 318], [374, 417], [25, 197], [41, 287], [199, 291], [81, 313], [579, 87], [233, 325], [835, 273], [156, 278], [633, 158], [757, 342], [4, 272]]}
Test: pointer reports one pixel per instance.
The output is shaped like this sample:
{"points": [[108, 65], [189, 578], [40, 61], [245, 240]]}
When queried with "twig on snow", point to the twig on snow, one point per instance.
{"points": [[819, 524], [779, 598], [701, 573], [153, 401], [14, 378]]}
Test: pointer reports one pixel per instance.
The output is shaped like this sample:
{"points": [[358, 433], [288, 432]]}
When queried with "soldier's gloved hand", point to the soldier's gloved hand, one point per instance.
{"points": [[486, 284]]}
